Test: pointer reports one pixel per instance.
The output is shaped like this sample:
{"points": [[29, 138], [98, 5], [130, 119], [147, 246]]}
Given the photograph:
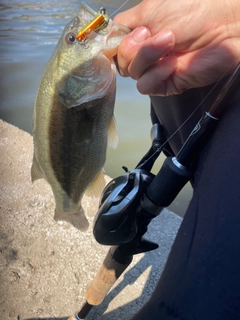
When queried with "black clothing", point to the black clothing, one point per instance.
{"points": [[201, 279], [173, 111]]}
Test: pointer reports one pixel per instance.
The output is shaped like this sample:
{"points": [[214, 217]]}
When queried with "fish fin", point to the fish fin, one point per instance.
{"points": [[112, 134], [36, 172], [78, 219], [96, 187]]}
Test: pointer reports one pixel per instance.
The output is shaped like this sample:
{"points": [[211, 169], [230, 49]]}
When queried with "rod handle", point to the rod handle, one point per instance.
{"points": [[107, 275]]}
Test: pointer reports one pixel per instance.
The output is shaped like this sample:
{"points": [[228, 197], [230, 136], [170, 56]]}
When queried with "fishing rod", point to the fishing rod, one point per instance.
{"points": [[129, 202]]}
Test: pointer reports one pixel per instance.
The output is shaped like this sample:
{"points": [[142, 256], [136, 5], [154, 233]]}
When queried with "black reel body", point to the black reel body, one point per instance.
{"points": [[116, 221]]}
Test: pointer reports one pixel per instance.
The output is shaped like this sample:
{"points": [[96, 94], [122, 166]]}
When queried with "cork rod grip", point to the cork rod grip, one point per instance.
{"points": [[113, 266], [109, 272]]}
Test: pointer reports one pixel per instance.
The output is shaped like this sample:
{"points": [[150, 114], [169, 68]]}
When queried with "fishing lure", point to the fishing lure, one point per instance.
{"points": [[96, 24]]}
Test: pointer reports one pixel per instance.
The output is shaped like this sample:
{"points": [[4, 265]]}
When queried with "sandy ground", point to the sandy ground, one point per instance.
{"points": [[46, 266]]}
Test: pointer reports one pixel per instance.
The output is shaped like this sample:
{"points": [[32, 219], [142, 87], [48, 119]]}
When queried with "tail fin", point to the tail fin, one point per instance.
{"points": [[78, 219]]}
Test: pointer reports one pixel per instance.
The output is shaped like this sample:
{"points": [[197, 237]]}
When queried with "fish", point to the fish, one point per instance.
{"points": [[73, 119]]}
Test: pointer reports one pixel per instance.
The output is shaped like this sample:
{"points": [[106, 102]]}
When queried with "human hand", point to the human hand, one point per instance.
{"points": [[179, 45]]}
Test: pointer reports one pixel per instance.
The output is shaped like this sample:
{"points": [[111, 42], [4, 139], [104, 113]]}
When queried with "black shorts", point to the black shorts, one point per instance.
{"points": [[201, 279]]}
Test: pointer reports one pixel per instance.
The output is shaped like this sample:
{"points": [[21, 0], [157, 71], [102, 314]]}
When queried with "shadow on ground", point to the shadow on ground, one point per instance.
{"points": [[130, 277]]}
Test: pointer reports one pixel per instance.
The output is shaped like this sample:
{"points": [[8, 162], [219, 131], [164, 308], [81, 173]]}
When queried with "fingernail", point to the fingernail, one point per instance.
{"points": [[164, 38], [140, 34]]}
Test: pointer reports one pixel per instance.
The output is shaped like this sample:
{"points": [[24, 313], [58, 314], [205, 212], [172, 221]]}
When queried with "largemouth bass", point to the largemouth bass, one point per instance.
{"points": [[73, 115]]}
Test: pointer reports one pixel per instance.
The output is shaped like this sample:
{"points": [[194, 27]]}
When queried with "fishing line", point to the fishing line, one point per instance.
{"points": [[119, 8], [189, 117]]}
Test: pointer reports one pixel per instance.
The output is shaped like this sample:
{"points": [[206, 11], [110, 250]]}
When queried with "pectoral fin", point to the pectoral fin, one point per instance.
{"points": [[36, 172], [112, 134], [96, 187]]}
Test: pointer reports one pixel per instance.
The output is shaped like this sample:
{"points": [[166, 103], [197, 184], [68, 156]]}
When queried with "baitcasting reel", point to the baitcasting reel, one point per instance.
{"points": [[117, 219], [120, 214]]}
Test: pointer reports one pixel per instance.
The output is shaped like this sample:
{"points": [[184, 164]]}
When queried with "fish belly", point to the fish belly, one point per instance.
{"points": [[70, 152]]}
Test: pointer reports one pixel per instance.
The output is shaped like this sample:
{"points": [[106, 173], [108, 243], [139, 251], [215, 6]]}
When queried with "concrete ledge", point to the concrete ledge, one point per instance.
{"points": [[46, 266]]}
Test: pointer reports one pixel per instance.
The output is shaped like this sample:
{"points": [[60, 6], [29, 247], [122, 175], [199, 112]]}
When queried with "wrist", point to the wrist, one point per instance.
{"points": [[233, 17], [227, 19], [234, 27]]}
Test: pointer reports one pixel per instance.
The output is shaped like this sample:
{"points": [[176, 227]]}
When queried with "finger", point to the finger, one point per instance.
{"points": [[129, 18], [129, 47], [150, 52], [158, 79]]}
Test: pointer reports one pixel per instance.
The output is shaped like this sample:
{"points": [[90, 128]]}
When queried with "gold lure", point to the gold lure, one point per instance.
{"points": [[98, 23]]}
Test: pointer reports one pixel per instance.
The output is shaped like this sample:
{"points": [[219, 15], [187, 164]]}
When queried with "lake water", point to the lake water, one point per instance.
{"points": [[29, 31]]}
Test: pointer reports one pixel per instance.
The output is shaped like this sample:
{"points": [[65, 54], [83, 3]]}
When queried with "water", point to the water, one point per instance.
{"points": [[29, 31]]}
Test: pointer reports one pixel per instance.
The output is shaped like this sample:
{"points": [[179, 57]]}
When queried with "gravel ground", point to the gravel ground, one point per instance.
{"points": [[45, 266]]}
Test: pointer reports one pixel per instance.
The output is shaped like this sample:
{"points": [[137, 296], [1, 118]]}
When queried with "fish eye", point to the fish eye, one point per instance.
{"points": [[70, 38]]}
